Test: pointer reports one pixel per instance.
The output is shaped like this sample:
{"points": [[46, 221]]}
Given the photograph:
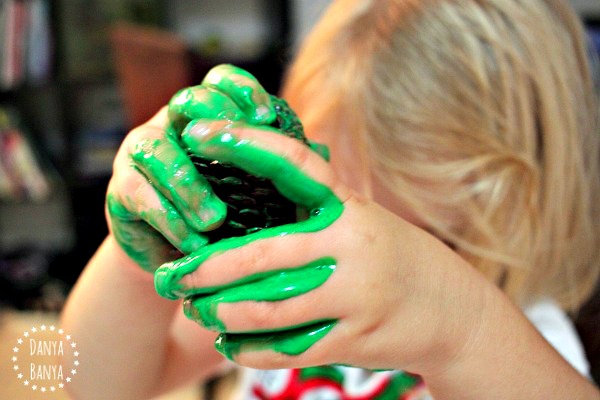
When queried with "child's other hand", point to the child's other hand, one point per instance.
{"points": [[352, 284], [158, 204]]}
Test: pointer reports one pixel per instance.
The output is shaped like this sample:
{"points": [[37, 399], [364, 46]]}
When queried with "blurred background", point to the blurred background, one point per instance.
{"points": [[75, 76]]}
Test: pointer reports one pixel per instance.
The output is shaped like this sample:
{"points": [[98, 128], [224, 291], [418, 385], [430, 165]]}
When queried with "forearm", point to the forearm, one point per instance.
{"points": [[132, 342], [506, 358], [121, 327]]}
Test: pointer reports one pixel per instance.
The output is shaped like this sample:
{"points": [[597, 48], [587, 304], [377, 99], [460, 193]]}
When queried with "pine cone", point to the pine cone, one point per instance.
{"points": [[253, 203]]}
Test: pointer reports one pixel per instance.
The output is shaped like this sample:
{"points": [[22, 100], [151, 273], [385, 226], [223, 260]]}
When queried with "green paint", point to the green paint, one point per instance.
{"points": [[271, 286], [324, 209], [323, 204], [168, 167], [287, 121], [287, 177], [320, 149], [399, 385], [231, 94], [328, 372], [144, 245], [291, 342], [170, 223], [202, 102], [244, 90], [226, 93], [127, 232]]}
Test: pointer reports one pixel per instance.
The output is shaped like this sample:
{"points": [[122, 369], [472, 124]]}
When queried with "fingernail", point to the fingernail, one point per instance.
{"points": [[193, 243], [198, 132], [163, 282], [204, 311], [181, 98], [222, 346], [264, 114], [200, 128], [212, 213]]}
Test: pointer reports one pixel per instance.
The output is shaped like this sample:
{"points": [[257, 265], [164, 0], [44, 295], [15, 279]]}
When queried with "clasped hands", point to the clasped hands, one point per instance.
{"points": [[351, 284]]}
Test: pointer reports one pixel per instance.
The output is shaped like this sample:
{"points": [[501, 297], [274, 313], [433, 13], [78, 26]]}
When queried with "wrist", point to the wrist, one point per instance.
{"points": [[463, 306], [497, 345], [469, 335]]}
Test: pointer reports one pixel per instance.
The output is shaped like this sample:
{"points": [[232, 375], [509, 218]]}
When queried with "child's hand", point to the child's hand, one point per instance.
{"points": [[352, 284], [158, 204]]}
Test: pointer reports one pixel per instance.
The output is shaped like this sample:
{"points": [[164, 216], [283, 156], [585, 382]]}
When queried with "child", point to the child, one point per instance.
{"points": [[464, 142]]}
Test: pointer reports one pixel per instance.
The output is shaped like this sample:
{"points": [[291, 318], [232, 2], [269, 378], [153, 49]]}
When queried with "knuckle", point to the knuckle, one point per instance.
{"points": [[129, 187], [253, 258], [140, 135], [297, 154], [261, 314], [192, 280], [134, 136], [276, 360]]}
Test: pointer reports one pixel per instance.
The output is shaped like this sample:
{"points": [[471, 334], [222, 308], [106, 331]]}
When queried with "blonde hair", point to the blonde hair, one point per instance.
{"points": [[483, 107]]}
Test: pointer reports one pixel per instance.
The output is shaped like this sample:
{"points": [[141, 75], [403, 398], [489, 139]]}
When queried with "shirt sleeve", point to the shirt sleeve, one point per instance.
{"points": [[558, 329]]}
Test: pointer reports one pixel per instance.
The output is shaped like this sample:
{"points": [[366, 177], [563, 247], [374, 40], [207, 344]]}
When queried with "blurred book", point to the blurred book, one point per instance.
{"points": [[26, 42], [23, 176], [100, 130], [39, 43]]}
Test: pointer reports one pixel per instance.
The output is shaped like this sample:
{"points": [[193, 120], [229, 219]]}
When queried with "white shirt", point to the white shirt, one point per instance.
{"points": [[556, 327]]}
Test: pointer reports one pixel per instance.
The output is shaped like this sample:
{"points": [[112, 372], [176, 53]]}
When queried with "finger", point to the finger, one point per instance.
{"points": [[201, 102], [290, 170], [143, 244], [245, 90], [264, 292], [164, 163], [290, 342], [145, 204], [159, 120], [298, 172], [232, 260]]}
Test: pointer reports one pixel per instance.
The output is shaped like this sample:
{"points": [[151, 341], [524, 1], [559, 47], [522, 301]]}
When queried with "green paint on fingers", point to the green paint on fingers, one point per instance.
{"points": [[201, 102], [244, 90], [167, 279], [139, 241], [289, 180], [323, 205], [269, 286], [174, 175], [291, 342]]}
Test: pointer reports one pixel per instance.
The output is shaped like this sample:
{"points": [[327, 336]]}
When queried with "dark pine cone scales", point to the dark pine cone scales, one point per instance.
{"points": [[253, 203]]}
